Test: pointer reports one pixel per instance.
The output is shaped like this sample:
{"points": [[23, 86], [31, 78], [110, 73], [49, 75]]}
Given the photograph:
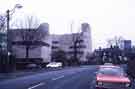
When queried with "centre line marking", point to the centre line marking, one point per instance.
{"points": [[58, 77], [40, 84]]}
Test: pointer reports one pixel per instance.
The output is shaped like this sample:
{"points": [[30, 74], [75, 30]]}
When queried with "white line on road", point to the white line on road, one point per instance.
{"points": [[58, 78], [40, 84]]}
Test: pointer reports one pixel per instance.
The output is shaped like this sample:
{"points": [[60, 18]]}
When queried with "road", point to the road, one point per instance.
{"points": [[69, 78], [73, 78]]}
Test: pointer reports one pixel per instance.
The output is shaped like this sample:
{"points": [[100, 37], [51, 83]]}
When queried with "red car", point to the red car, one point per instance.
{"points": [[112, 78]]}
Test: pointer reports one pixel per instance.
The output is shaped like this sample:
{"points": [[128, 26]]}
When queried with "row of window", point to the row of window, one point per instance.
{"points": [[78, 52], [71, 47], [79, 46], [56, 42]]}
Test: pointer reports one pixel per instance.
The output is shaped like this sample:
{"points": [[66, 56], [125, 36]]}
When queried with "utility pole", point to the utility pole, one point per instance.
{"points": [[8, 13], [8, 43]]}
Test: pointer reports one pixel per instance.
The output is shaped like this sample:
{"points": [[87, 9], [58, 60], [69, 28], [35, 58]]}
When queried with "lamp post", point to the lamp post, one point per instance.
{"points": [[8, 13]]}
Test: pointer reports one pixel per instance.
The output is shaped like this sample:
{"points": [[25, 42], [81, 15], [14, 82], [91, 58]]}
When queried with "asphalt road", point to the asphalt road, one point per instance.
{"points": [[73, 78]]}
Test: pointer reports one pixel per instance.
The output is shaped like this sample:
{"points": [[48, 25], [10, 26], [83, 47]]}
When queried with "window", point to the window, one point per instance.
{"points": [[54, 47], [80, 46], [78, 52], [79, 41], [55, 42]]}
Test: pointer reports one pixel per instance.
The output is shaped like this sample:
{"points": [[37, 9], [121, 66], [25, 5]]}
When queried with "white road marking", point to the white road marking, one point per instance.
{"points": [[58, 78], [32, 87]]}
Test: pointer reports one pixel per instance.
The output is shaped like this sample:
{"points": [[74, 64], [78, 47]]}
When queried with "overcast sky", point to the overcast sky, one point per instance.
{"points": [[107, 18]]}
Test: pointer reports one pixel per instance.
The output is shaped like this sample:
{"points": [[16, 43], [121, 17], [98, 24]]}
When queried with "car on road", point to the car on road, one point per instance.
{"points": [[112, 78], [54, 65], [108, 64]]}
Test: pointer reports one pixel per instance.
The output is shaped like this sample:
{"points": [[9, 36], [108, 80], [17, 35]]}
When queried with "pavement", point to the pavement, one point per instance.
{"points": [[73, 78]]}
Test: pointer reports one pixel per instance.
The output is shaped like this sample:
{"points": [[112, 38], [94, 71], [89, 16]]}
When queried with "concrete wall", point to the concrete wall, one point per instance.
{"points": [[35, 52]]}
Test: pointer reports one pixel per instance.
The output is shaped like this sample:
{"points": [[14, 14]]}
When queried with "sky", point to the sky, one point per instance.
{"points": [[107, 18]]}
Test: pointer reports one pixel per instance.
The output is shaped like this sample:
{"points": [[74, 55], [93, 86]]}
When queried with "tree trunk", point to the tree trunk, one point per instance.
{"points": [[27, 52], [75, 53]]}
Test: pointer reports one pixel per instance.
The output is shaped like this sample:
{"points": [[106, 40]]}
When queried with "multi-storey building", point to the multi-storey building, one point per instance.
{"points": [[66, 42], [36, 40]]}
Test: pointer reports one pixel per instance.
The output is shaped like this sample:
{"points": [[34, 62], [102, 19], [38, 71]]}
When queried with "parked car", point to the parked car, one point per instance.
{"points": [[54, 65], [108, 64], [112, 78]]}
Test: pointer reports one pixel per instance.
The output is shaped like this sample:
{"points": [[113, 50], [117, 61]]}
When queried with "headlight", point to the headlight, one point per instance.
{"points": [[127, 85], [99, 83]]}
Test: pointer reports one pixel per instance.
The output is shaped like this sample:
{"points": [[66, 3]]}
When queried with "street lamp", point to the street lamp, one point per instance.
{"points": [[8, 13]]}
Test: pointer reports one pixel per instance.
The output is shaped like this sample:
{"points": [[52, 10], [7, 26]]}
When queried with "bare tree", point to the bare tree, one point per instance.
{"points": [[60, 56], [2, 23], [116, 41], [26, 22], [76, 40]]}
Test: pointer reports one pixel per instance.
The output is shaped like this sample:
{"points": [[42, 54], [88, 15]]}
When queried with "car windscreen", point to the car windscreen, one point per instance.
{"points": [[111, 71]]}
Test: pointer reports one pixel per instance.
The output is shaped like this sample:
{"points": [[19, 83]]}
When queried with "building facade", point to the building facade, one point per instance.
{"points": [[36, 40], [66, 43], [63, 42]]}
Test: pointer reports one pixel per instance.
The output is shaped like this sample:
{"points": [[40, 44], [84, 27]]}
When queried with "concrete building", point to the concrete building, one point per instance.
{"points": [[65, 42], [39, 38]]}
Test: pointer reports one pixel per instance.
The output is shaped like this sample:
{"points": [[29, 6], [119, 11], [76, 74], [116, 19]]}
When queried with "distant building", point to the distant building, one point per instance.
{"points": [[65, 42], [38, 49], [126, 44]]}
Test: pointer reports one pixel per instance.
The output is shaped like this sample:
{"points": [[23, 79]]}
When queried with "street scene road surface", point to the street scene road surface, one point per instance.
{"points": [[69, 78], [74, 78]]}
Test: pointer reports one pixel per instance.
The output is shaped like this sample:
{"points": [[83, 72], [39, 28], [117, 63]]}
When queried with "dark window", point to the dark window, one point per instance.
{"points": [[54, 47], [79, 41], [78, 52], [71, 47], [80, 46], [70, 52], [55, 42]]}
